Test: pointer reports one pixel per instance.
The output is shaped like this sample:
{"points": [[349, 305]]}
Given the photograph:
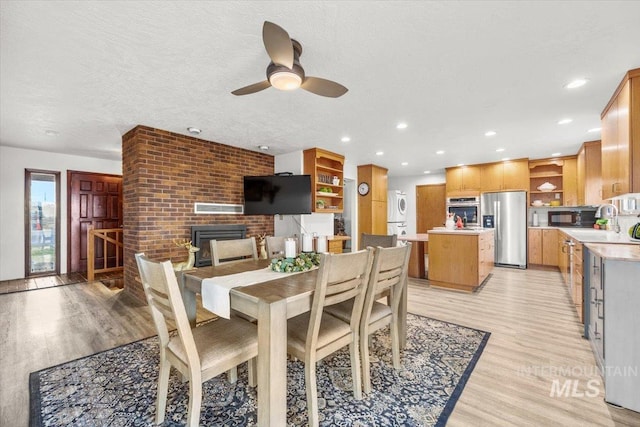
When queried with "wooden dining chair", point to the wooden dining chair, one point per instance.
{"points": [[199, 354], [375, 240], [224, 251], [314, 335], [275, 246], [388, 277]]}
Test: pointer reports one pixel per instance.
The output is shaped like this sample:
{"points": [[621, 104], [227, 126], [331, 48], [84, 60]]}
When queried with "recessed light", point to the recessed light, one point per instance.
{"points": [[440, 152], [490, 133], [564, 121], [404, 163], [499, 150], [555, 154], [401, 125], [576, 83], [263, 147], [345, 139], [50, 132], [460, 164], [427, 172], [194, 131], [379, 153], [595, 130]]}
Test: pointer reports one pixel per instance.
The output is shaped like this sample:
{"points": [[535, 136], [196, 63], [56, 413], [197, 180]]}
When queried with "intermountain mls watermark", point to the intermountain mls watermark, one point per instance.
{"points": [[576, 381]]}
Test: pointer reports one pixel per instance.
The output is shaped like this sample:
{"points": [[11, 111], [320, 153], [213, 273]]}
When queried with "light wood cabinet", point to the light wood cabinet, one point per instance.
{"points": [[543, 247], [460, 260], [561, 172], [621, 139], [589, 173], [463, 180], [323, 165], [570, 182], [372, 207], [506, 175]]}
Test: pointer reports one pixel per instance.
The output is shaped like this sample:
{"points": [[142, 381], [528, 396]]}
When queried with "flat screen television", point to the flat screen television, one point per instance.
{"points": [[277, 194]]}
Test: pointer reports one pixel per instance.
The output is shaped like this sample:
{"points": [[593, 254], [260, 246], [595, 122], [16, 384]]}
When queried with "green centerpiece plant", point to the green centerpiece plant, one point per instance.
{"points": [[303, 262]]}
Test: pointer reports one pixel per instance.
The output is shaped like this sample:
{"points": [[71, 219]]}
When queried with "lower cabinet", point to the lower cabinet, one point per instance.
{"points": [[543, 246], [613, 323], [460, 260], [570, 254]]}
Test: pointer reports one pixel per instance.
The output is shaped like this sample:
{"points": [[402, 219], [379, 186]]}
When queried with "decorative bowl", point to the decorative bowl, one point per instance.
{"points": [[547, 186], [555, 203], [537, 203]]}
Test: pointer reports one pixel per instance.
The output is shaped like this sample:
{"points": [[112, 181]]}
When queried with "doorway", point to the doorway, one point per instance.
{"points": [[94, 200], [42, 222], [431, 209]]}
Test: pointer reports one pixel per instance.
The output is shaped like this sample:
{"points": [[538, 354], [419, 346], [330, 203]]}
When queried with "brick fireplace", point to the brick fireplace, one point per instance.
{"points": [[164, 174]]}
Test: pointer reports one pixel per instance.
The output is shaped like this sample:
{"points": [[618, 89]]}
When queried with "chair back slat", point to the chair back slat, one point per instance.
{"points": [[274, 246], [389, 271], [375, 240], [223, 251], [340, 277], [164, 297]]}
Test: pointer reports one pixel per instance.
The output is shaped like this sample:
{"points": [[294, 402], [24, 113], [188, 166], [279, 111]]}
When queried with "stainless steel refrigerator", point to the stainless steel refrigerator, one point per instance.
{"points": [[507, 212]]}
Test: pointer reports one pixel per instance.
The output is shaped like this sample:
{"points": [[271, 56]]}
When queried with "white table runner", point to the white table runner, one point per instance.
{"points": [[215, 290]]}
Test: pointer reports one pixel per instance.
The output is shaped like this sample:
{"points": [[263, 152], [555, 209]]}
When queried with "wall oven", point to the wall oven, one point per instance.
{"points": [[465, 207]]}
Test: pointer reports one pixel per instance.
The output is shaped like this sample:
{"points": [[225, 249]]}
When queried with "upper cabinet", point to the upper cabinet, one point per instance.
{"points": [[506, 175], [561, 174], [589, 174], [463, 180], [327, 179], [621, 139], [372, 199]]}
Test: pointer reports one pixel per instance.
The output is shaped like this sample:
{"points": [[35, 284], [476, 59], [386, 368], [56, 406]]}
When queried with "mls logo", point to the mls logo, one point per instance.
{"points": [[571, 388]]}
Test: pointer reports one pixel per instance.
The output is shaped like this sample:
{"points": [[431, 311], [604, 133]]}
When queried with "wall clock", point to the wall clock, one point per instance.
{"points": [[363, 188]]}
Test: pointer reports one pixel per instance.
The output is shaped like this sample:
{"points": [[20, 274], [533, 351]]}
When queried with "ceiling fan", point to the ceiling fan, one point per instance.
{"points": [[284, 72]]}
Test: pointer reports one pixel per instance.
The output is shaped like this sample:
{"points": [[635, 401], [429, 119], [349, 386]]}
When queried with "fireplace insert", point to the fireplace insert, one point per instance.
{"points": [[202, 234]]}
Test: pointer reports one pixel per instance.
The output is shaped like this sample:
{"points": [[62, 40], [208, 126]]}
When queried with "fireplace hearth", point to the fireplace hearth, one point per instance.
{"points": [[202, 234]]}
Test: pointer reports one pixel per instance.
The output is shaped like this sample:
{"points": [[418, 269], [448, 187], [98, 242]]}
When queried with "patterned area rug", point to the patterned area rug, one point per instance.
{"points": [[118, 387]]}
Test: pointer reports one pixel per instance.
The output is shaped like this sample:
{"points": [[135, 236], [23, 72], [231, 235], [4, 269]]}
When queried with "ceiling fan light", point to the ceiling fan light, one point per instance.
{"points": [[285, 80]]}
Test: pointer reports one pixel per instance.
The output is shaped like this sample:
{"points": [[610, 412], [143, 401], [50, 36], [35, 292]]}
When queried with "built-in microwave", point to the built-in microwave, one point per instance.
{"points": [[466, 208], [572, 218]]}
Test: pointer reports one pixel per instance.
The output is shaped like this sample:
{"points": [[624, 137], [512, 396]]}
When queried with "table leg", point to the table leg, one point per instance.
{"points": [[272, 363], [402, 316]]}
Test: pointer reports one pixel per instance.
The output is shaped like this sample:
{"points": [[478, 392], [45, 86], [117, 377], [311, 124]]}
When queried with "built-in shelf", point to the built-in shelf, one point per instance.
{"points": [[324, 166]]}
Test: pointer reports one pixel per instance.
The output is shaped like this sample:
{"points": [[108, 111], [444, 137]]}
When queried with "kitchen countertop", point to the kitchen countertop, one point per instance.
{"points": [[615, 252], [420, 237], [471, 231], [588, 235]]}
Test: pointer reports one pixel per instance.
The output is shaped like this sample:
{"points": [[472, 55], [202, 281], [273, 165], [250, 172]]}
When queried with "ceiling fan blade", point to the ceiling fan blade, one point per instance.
{"points": [[278, 44], [323, 87], [256, 87]]}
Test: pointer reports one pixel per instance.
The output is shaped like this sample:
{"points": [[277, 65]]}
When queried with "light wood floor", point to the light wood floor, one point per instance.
{"points": [[528, 313]]}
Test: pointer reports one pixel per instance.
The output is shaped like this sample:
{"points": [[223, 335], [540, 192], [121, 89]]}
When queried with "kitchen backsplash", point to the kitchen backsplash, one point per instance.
{"points": [[625, 221]]}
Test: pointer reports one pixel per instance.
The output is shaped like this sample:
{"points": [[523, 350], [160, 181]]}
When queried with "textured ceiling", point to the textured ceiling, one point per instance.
{"points": [[90, 71]]}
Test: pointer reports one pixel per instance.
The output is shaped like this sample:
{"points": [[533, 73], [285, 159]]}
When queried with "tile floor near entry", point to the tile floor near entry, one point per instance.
{"points": [[27, 284]]}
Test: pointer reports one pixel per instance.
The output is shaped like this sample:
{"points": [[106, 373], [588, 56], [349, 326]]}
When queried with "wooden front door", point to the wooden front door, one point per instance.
{"points": [[94, 200], [431, 207]]}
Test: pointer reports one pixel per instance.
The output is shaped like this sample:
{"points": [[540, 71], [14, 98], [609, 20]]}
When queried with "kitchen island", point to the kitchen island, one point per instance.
{"points": [[419, 248], [460, 259]]}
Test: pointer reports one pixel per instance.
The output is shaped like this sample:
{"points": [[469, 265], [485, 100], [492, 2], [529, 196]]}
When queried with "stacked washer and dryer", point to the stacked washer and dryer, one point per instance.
{"points": [[397, 213]]}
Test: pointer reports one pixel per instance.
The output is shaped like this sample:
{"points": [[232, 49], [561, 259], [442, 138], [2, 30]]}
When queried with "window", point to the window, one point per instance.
{"points": [[42, 222]]}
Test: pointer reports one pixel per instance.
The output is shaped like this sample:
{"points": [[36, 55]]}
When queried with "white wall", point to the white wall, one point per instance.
{"points": [[321, 223], [408, 185], [13, 162]]}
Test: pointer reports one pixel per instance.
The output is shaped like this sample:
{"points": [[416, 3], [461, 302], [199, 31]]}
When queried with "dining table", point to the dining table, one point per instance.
{"points": [[271, 302]]}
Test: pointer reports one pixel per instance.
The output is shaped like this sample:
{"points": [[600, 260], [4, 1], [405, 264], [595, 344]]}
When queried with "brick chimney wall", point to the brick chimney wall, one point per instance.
{"points": [[163, 175]]}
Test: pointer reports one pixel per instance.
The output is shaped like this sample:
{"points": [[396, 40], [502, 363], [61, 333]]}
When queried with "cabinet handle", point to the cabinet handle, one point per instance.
{"points": [[599, 304]]}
